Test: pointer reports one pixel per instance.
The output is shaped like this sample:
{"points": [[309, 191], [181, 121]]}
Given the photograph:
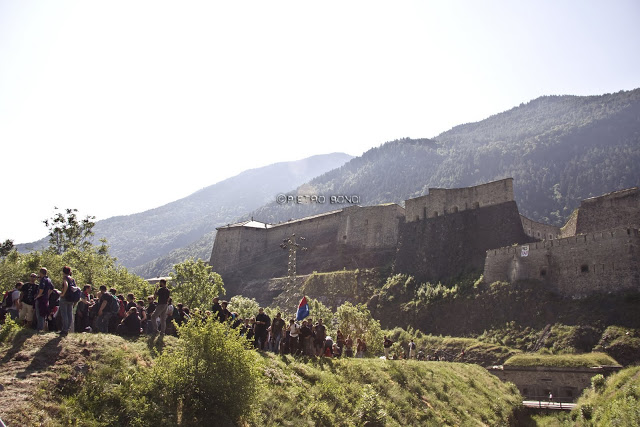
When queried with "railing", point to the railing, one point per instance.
{"points": [[548, 404]]}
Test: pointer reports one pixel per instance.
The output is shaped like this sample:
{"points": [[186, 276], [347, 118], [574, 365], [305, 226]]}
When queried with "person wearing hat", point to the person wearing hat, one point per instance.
{"points": [[27, 300]]}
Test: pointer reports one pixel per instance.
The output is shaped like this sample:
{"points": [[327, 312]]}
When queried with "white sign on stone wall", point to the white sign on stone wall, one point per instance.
{"points": [[525, 251]]}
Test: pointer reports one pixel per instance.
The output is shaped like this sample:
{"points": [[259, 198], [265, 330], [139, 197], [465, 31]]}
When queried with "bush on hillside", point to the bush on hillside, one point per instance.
{"points": [[209, 375]]}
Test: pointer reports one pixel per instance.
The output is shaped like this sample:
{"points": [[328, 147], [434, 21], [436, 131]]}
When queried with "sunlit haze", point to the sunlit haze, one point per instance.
{"points": [[118, 107]]}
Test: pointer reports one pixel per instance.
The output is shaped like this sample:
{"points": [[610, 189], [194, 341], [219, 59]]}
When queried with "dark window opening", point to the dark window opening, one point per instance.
{"points": [[417, 218], [435, 213], [543, 272], [584, 268], [476, 205], [454, 209], [344, 237]]}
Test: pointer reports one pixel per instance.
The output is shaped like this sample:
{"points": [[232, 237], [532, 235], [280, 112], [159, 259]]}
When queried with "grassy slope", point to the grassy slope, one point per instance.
{"points": [[297, 391], [561, 361]]}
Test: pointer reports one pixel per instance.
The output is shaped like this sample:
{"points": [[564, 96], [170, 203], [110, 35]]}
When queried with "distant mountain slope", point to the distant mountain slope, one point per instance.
{"points": [[559, 149], [139, 238]]}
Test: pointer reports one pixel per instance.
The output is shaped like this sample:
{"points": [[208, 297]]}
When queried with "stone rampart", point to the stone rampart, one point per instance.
{"points": [[538, 230], [604, 261], [617, 209], [442, 201], [445, 246]]}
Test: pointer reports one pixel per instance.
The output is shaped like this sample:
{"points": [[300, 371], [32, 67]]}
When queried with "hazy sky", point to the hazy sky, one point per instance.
{"points": [[115, 107]]}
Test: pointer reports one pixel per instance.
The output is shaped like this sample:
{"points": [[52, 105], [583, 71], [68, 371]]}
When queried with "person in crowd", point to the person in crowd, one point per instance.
{"points": [[277, 326], [54, 322], [223, 313], [27, 301], [45, 288], [335, 350], [131, 302], [83, 319], [142, 313], [294, 332], [160, 312], [386, 344], [340, 339], [412, 349], [262, 323], [328, 347], [130, 325], [321, 335], [179, 315], [305, 338], [106, 309], [215, 306], [361, 348], [348, 347], [12, 301], [66, 306]]}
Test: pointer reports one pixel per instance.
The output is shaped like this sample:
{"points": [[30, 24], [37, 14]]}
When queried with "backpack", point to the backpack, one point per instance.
{"points": [[114, 304], [7, 300], [73, 292], [122, 310]]}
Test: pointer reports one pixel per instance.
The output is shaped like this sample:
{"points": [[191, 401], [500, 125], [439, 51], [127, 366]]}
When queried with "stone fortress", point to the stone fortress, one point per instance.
{"points": [[448, 233]]}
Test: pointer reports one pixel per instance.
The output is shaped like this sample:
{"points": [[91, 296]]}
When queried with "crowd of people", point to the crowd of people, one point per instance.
{"points": [[38, 304]]}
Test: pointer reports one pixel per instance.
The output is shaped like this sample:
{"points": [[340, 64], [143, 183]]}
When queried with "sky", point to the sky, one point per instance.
{"points": [[117, 107]]}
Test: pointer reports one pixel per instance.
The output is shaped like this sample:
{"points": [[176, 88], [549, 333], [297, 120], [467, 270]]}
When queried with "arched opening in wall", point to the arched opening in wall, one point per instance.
{"points": [[550, 236], [538, 234], [444, 211], [476, 205], [454, 209], [417, 218], [344, 237], [424, 212], [435, 214], [543, 272], [584, 268]]}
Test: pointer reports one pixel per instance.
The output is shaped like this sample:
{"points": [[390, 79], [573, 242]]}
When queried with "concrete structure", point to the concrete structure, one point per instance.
{"points": [[447, 233], [536, 382]]}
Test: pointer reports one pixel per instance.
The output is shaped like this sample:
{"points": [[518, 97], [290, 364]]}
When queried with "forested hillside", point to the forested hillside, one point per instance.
{"points": [[139, 238], [559, 150]]}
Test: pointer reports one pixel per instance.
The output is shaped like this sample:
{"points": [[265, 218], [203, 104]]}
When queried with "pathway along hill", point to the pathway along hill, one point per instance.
{"points": [[100, 379]]}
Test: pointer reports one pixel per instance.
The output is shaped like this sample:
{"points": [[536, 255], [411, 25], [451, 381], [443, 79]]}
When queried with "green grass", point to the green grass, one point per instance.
{"points": [[343, 392], [561, 361]]}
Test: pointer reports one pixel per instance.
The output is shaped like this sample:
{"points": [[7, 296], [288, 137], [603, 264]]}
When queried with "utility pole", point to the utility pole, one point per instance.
{"points": [[292, 246]]}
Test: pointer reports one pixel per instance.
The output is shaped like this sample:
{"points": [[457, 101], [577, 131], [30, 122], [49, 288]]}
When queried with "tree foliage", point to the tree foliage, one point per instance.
{"points": [[357, 321], [6, 247], [194, 284], [66, 231], [209, 375]]}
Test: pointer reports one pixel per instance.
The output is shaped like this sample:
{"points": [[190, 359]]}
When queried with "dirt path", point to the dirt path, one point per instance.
{"points": [[30, 368]]}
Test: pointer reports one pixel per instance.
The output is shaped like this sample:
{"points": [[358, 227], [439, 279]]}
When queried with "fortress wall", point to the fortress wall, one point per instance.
{"points": [[569, 229], [227, 248], [441, 201], [370, 227], [443, 247], [617, 209], [538, 230], [596, 262]]}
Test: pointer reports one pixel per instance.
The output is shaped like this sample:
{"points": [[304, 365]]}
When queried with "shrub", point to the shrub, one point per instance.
{"points": [[597, 383], [9, 329], [209, 375]]}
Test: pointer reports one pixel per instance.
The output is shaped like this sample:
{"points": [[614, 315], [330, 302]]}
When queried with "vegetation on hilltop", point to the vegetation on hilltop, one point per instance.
{"points": [[108, 380], [586, 360]]}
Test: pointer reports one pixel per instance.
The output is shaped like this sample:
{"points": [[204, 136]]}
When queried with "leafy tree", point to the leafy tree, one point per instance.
{"points": [[317, 310], [194, 284], [357, 321], [66, 231], [245, 307], [208, 377], [6, 247]]}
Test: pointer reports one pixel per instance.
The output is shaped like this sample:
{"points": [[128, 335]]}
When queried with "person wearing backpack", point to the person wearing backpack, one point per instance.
{"points": [[28, 300], [45, 288], [11, 301], [68, 297], [108, 307]]}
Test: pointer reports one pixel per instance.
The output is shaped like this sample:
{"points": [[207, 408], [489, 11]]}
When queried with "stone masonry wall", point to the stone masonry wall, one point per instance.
{"points": [[538, 230], [617, 209], [441, 201], [604, 261], [442, 247]]}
